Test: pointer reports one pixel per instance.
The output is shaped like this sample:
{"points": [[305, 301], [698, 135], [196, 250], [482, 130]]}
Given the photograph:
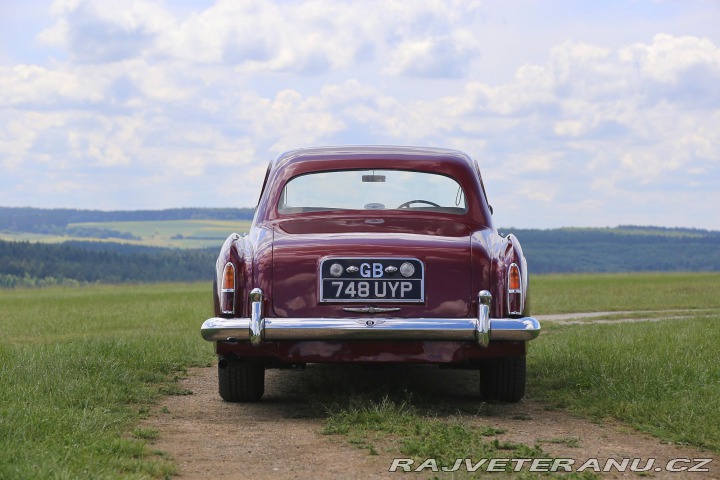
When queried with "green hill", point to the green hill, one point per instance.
{"points": [[27, 264], [621, 249], [178, 228], [42, 247]]}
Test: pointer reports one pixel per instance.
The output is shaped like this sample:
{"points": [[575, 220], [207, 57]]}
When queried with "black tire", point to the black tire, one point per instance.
{"points": [[503, 379], [241, 381]]}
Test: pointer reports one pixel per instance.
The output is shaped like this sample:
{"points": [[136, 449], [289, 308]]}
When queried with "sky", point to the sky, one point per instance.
{"points": [[579, 113]]}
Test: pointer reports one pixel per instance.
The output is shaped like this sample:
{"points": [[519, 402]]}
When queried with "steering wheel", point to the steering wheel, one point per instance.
{"points": [[407, 204]]}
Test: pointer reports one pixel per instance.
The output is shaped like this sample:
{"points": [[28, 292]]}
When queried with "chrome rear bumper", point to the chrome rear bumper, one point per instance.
{"points": [[258, 329]]}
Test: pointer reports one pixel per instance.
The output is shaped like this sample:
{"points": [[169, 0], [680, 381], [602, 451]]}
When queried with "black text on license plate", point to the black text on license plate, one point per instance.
{"points": [[371, 281]]}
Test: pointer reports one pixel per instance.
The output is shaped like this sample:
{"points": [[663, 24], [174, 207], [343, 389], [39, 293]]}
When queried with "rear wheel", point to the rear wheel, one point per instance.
{"points": [[503, 379], [241, 381]]}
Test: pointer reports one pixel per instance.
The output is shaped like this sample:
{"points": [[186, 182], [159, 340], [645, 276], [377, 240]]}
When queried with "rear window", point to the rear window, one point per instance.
{"points": [[372, 190]]}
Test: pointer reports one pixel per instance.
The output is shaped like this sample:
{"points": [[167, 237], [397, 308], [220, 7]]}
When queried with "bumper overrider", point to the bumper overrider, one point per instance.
{"points": [[482, 329]]}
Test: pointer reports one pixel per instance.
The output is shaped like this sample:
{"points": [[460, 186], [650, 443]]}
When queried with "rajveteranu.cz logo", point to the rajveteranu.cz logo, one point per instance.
{"points": [[553, 465]]}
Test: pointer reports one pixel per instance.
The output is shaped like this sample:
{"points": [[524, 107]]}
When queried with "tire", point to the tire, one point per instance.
{"points": [[503, 379], [241, 381]]}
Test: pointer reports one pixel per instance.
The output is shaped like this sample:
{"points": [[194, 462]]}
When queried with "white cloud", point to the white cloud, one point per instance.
{"points": [[176, 98], [668, 57], [39, 86], [422, 39], [434, 57], [106, 31]]}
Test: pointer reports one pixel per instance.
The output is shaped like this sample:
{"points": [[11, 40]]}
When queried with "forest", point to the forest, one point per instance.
{"points": [[25, 264], [621, 249], [90, 260]]}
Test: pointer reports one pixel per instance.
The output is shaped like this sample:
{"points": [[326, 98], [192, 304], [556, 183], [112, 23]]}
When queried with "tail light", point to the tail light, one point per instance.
{"points": [[515, 293], [227, 293]]}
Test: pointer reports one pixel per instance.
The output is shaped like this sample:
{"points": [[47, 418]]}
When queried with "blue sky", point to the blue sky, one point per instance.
{"points": [[579, 113]]}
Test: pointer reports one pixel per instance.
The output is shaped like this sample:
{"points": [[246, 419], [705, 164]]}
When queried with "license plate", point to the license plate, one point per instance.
{"points": [[372, 280]]}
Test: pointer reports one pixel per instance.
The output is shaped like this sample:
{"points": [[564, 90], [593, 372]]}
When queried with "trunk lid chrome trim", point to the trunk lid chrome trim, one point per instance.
{"points": [[370, 309]]}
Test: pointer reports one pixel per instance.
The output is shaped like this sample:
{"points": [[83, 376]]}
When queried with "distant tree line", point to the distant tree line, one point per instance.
{"points": [[620, 250], [39, 264], [91, 232], [55, 221]]}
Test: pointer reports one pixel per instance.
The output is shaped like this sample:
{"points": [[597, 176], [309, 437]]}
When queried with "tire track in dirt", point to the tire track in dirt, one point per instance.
{"points": [[278, 438]]}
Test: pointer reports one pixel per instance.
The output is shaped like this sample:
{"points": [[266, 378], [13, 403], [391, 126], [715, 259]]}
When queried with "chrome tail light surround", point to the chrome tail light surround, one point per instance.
{"points": [[515, 292]]}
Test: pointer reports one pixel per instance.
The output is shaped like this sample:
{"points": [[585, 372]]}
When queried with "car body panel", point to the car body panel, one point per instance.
{"points": [[296, 259]]}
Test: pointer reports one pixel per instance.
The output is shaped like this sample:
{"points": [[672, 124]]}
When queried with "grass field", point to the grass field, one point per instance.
{"points": [[80, 367], [624, 292], [661, 377], [168, 233]]}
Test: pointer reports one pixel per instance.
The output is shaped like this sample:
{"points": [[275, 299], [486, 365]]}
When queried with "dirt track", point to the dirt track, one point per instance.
{"points": [[281, 437]]}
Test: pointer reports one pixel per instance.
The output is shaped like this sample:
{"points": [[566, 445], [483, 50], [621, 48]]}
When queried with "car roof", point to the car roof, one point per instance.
{"points": [[367, 152], [452, 163]]}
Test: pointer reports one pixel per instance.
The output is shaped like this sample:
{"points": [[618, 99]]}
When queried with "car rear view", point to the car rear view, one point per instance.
{"points": [[371, 255]]}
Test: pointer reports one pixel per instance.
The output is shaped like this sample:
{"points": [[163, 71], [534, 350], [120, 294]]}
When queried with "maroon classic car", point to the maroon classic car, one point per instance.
{"points": [[371, 255]]}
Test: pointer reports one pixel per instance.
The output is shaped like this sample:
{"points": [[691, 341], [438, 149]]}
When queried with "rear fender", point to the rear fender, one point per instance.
{"points": [[509, 254], [237, 252]]}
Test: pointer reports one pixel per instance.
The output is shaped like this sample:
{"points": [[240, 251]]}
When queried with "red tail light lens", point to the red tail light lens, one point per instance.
{"points": [[514, 278], [229, 277], [514, 291], [227, 295]]}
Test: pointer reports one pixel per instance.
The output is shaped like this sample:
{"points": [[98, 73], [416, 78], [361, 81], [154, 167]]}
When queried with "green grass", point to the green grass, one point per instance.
{"points": [[79, 368], [33, 237], [166, 233], [660, 377], [406, 429], [618, 292], [418, 435]]}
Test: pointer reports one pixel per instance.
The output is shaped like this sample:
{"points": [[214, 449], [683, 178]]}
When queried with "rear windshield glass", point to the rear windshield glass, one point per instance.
{"points": [[372, 190]]}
